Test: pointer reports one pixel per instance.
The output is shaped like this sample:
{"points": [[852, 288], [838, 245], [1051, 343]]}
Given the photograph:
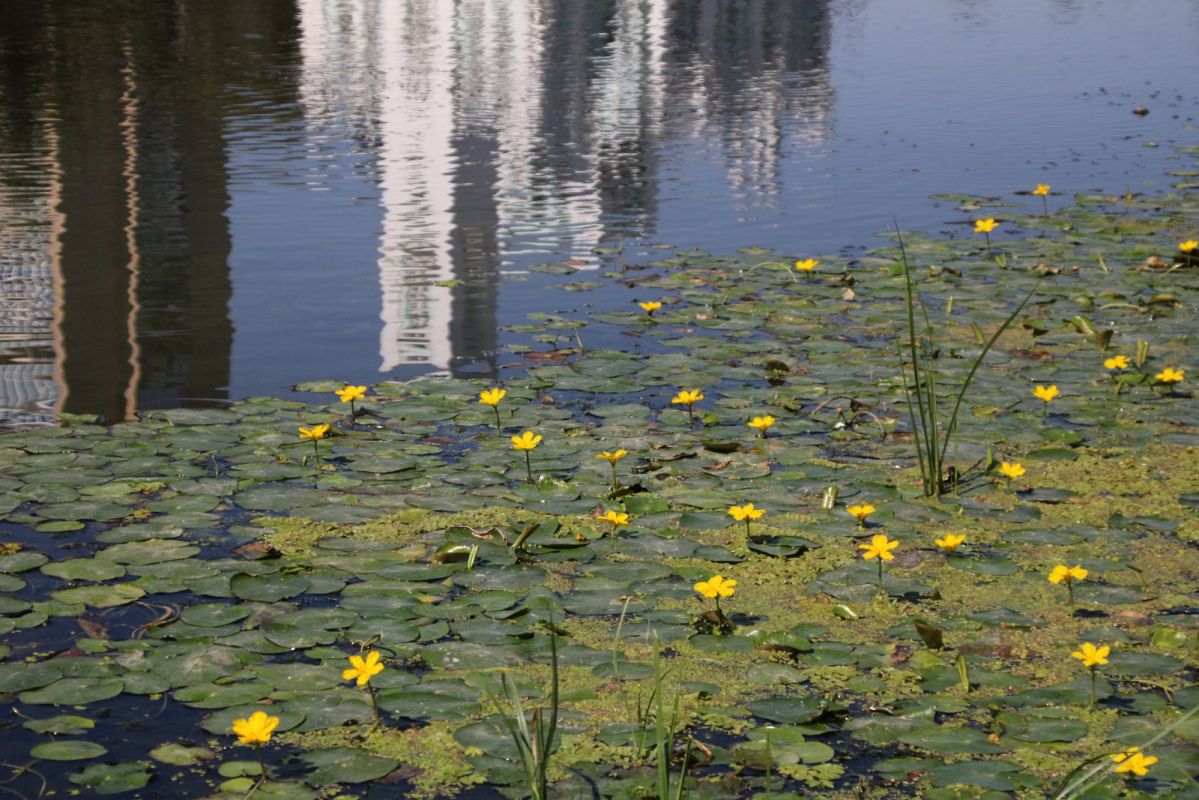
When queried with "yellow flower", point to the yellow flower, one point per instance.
{"points": [[951, 541], [1169, 375], [255, 730], [1134, 761], [1188, 246], [1046, 393], [492, 397], [526, 441], [761, 423], [617, 518], [1011, 470], [807, 265], [880, 547], [650, 306], [687, 396], [1068, 574], [860, 512], [1116, 362], [315, 432], [363, 669], [351, 393], [1041, 190], [984, 225], [747, 511], [612, 458], [1092, 656], [716, 586]]}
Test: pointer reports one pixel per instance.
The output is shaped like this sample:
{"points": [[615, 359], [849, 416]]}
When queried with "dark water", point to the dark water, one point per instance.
{"points": [[204, 200]]}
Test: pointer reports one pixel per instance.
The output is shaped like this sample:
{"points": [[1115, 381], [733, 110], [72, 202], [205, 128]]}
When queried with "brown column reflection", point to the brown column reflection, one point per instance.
{"points": [[93, 261], [139, 99]]}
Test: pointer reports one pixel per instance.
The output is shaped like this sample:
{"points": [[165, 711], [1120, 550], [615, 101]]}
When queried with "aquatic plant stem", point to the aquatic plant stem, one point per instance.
{"points": [[375, 707], [316, 461], [615, 482], [528, 467], [990, 253], [880, 574], [496, 409], [261, 767], [1092, 688], [353, 410], [1070, 592]]}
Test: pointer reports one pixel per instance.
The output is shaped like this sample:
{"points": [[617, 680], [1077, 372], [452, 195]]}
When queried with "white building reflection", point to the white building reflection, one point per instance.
{"points": [[508, 129]]}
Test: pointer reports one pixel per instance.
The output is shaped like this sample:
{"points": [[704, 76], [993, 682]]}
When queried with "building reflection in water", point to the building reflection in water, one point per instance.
{"points": [[506, 130], [118, 204], [498, 134]]}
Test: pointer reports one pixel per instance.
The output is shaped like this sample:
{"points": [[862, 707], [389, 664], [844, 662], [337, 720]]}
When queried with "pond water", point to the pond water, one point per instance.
{"points": [[204, 201]]}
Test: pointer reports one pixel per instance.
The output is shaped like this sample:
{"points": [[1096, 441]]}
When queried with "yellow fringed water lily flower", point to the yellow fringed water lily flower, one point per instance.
{"points": [[1134, 761], [1068, 574], [1041, 190], [526, 441], [880, 547], [617, 518], [1092, 656], [1116, 362], [650, 306], [807, 265], [349, 393], [1046, 394], [1169, 375], [687, 397], [760, 424], [716, 587], [363, 669], [951, 541], [861, 512], [612, 458], [984, 225], [492, 397], [1188, 246], [1011, 470], [255, 730], [315, 432], [746, 512]]}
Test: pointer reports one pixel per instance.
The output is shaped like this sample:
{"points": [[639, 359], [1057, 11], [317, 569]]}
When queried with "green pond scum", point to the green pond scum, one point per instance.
{"points": [[162, 578]]}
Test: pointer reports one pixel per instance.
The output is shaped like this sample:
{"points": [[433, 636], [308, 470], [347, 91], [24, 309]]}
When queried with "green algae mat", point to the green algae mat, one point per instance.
{"points": [[723, 569]]}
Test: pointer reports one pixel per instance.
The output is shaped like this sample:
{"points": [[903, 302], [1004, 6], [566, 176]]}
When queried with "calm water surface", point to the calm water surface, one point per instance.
{"points": [[208, 200]]}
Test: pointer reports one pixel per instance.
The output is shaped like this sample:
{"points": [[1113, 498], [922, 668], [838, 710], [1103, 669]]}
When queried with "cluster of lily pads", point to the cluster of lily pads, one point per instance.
{"points": [[201, 600]]}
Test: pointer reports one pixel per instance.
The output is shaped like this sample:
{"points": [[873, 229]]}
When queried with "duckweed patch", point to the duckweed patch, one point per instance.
{"points": [[162, 578]]}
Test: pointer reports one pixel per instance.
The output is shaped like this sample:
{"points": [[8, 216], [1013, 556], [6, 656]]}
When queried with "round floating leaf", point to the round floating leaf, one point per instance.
{"points": [[789, 710], [149, 551], [84, 569], [268, 588], [347, 765], [211, 695], [63, 724], [944, 739], [213, 615], [114, 778], [179, 755], [22, 561], [106, 596], [74, 692], [68, 750]]}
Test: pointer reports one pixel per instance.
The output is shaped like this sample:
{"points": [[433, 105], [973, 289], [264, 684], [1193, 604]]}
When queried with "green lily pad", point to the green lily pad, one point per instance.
{"points": [[114, 778], [68, 750], [347, 765], [104, 596]]}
